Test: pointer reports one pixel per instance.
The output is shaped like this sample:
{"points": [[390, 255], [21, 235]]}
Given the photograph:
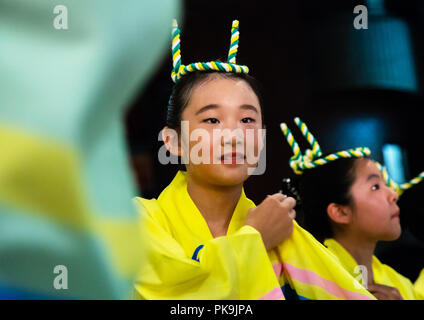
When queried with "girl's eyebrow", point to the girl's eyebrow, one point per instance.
{"points": [[206, 108], [373, 176], [248, 107], [215, 106]]}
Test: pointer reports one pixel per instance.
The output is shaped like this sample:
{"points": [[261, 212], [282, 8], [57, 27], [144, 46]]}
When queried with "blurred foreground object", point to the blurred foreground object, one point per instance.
{"points": [[65, 182]]}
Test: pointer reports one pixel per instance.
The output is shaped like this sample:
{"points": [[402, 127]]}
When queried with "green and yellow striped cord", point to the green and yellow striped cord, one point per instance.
{"points": [[398, 188], [297, 157], [176, 51], [234, 42], [179, 70], [316, 149], [311, 158], [412, 182]]}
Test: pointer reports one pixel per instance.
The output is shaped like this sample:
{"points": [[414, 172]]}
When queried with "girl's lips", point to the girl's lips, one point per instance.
{"points": [[396, 214], [234, 157]]}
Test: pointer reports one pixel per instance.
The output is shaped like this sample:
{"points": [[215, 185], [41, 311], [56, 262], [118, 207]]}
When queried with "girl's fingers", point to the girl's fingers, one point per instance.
{"points": [[292, 214], [279, 196], [289, 203]]}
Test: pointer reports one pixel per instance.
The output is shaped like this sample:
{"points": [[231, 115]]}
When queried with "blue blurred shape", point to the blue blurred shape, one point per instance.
{"points": [[393, 160]]}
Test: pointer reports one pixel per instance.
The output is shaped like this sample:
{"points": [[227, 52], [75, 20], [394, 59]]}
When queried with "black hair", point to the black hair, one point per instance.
{"points": [[182, 90], [318, 187]]}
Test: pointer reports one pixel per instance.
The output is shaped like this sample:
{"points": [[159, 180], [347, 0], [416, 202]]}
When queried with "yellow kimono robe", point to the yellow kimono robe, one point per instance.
{"points": [[183, 260], [383, 274], [419, 285]]}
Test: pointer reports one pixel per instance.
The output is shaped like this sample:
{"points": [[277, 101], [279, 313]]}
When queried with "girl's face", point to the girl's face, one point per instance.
{"points": [[221, 113], [375, 213]]}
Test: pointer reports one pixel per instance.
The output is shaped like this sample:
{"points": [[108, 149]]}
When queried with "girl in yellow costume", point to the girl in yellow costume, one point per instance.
{"points": [[203, 238], [347, 205]]}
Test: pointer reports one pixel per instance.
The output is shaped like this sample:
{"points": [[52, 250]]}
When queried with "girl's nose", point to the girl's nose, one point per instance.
{"points": [[232, 136], [393, 196]]}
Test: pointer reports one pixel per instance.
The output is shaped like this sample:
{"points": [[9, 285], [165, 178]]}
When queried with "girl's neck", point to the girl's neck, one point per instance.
{"points": [[215, 203], [362, 250]]}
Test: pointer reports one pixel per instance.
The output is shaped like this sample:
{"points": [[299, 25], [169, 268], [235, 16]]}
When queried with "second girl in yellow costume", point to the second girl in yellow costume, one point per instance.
{"points": [[347, 205]]}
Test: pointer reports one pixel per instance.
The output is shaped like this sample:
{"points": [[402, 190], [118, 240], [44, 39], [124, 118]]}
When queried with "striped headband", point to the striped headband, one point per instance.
{"points": [[398, 188], [179, 70], [311, 159]]}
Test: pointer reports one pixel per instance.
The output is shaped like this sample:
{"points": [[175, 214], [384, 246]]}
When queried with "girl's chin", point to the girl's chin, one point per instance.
{"points": [[393, 235], [229, 174]]}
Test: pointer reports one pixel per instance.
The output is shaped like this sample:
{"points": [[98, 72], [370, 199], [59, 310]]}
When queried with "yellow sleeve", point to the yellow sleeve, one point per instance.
{"points": [[386, 275], [229, 267], [419, 286], [315, 273]]}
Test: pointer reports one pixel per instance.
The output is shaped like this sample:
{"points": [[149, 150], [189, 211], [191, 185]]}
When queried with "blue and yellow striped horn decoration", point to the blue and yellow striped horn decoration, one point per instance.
{"points": [[179, 70]]}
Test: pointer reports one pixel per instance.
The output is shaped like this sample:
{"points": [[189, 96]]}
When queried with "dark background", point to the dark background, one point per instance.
{"points": [[352, 87]]}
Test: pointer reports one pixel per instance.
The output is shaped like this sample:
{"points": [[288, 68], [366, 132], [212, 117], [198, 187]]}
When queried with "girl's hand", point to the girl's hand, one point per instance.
{"points": [[273, 218], [382, 292]]}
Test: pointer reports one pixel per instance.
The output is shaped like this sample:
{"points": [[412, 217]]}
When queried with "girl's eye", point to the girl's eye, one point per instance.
{"points": [[375, 187], [211, 120], [247, 120]]}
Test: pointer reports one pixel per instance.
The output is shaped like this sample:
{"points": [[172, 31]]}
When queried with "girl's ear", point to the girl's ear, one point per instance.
{"points": [[172, 143], [339, 214]]}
